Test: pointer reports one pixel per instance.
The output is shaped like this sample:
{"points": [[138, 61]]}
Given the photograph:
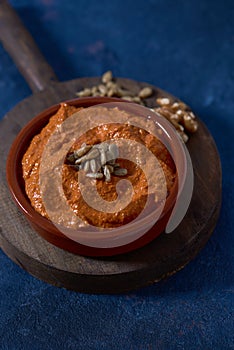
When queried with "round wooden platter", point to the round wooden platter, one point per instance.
{"points": [[161, 258]]}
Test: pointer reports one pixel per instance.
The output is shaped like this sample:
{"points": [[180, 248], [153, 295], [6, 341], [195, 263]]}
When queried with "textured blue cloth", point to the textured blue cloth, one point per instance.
{"points": [[186, 48]]}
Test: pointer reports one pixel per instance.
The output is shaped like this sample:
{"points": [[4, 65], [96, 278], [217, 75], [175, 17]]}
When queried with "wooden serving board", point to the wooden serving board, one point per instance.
{"points": [[159, 259]]}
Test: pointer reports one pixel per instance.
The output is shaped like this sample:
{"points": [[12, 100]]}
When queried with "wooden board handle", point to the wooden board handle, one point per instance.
{"points": [[21, 47]]}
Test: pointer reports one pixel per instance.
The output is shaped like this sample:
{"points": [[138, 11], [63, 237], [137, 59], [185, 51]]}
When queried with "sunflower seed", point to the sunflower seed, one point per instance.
{"points": [[124, 92], [167, 107], [163, 101], [86, 166], [102, 89], [110, 167], [94, 90], [113, 91], [95, 175], [136, 99], [104, 146], [190, 124], [93, 153], [107, 173], [110, 156], [79, 160], [183, 136], [145, 92], [98, 165], [82, 151], [178, 105], [84, 93], [180, 114], [120, 172], [177, 125], [103, 157], [192, 115], [164, 112], [110, 84], [127, 98], [114, 150], [175, 117], [107, 77], [93, 165]]}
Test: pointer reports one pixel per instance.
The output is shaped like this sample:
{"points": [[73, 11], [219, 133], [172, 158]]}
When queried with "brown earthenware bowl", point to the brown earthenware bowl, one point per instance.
{"points": [[50, 232]]}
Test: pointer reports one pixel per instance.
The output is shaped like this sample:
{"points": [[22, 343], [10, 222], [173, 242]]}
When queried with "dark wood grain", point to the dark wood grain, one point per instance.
{"points": [[159, 259]]}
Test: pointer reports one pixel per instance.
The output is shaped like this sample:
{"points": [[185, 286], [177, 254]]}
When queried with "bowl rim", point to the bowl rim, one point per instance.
{"points": [[23, 137]]}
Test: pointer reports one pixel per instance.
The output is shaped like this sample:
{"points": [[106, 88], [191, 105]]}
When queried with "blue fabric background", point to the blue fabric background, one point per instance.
{"points": [[186, 48]]}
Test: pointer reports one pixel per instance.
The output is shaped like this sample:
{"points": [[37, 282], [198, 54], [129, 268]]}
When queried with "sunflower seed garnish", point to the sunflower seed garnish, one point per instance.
{"points": [[114, 150], [82, 151], [86, 166], [110, 167], [99, 159], [107, 173], [102, 89], [93, 153], [93, 165], [120, 172], [103, 157], [95, 175]]}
